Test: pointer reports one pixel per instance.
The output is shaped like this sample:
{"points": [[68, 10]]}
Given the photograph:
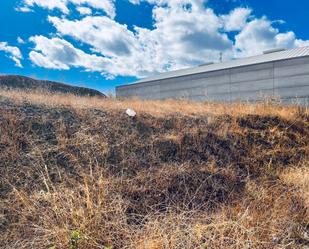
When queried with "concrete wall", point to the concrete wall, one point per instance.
{"points": [[286, 79]]}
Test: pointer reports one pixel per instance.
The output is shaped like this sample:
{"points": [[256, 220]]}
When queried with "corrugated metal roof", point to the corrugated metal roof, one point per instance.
{"points": [[263, 58]]}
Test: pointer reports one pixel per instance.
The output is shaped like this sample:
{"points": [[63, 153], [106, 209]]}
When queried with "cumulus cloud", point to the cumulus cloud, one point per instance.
{"points": [[236, 19], [12, 52], [20, 40], [48, 4], [183, 35], [105, 5], [189, 31], [56, 53], [104, 34], [84, 10], [259, 35]]}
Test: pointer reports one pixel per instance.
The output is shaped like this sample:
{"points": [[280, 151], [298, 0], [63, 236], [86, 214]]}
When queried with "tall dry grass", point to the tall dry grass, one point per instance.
{"points": [[155, 107], [267, 216], [179, 175]]}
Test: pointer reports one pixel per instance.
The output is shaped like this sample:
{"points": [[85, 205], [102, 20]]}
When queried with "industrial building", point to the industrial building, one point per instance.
{"points": [[276, 74]]}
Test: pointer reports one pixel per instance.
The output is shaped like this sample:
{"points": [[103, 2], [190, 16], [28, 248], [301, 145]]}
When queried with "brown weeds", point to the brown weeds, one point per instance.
{"points": [[179, 175]]}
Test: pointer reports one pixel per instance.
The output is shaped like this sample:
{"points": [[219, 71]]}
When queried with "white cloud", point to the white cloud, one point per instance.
{"points": [[12, 52], [301, 43], [102, 33], [106, 5], [236, 19], [20, 40], [183, 36], [84, 10], [189, 32], [48, 4], [23, 9], [56, 53], [259, 35], [171, 3]]}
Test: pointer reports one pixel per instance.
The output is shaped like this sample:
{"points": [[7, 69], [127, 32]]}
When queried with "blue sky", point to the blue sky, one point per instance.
{"points": [[104, 43]]}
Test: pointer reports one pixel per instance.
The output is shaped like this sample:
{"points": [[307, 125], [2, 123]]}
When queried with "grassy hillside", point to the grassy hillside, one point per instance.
{"points": [[77, 172], [29, 84]]}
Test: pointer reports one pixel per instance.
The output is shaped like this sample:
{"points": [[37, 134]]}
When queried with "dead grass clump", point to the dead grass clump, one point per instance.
{"points": [[47, 218], [179, 187]]}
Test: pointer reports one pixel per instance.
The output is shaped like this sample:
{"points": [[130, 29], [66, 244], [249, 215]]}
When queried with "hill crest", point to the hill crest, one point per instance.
{"points": [[27, 83]]}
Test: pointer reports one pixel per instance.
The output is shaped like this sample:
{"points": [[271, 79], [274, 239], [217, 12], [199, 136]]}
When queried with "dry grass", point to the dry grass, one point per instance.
{"points": [[179, 175], [153, 107]]}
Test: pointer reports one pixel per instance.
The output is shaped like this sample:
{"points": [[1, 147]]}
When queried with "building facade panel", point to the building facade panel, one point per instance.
{"points": [[288, 70], [292, 81], [293, 92], [175, 85], [217, 89], [252, 85], [251, 95], [257, 72], [182, 93]]}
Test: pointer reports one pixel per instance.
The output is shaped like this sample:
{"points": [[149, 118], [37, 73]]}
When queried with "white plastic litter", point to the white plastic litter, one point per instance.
{"points": [[130, 112]]}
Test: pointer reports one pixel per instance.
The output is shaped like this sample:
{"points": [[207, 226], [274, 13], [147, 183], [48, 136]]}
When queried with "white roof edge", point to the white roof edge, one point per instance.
{"points": [[252, 60]]}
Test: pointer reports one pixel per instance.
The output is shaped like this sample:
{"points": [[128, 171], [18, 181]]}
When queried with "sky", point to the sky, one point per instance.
{"points": [[104, 43]]}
